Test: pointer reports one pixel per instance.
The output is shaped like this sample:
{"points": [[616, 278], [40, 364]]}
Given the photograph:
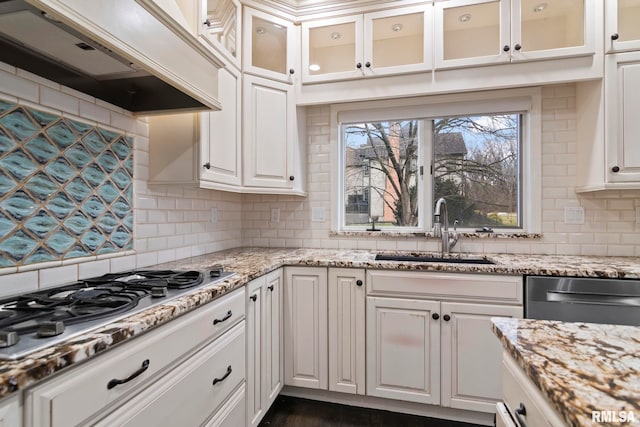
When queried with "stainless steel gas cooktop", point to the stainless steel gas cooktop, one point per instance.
{"points": [[33, 321]]}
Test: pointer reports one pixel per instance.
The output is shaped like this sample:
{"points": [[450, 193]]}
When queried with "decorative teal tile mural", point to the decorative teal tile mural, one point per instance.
{"points": [[66, 188]]}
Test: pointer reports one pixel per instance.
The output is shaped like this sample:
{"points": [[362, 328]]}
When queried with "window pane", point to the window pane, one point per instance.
{"points": [[476, 169], [381, 173]]}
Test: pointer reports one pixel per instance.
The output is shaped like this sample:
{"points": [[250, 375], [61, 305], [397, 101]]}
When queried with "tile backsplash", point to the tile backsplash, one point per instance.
{"points": [[66, 187]]}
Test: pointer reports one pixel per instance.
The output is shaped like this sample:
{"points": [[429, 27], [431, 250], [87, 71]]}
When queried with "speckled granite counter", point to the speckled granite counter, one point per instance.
{"points": [[250, 263], [578, 367]]}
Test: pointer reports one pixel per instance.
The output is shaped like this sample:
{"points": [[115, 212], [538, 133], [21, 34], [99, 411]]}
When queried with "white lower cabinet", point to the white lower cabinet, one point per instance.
{"points": [[10, 412], [471, 355], [346, 305], [429, 336], [403, 349], [189, 394], [265, 363], [177, 374], [305, 327]]}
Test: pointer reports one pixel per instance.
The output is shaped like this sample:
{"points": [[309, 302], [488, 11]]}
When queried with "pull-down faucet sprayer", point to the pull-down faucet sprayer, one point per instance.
{"points": [[441, 226]]}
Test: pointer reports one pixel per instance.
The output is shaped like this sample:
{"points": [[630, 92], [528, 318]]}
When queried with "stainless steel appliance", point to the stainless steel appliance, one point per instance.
{"points": [[581, 299], [33, 321]]}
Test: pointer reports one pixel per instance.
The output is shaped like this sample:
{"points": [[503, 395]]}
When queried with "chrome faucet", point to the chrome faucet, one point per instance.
{"points": [[441, 226]]}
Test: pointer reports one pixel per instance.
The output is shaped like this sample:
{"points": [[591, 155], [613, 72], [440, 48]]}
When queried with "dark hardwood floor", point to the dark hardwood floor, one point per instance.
{"points": [[294, 412]]}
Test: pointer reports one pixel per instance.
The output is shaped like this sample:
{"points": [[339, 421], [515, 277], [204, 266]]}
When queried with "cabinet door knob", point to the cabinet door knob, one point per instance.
{"points": [[367, 64], [291, 178], [517, 47], [519, 413], [253, 297], [292, 71], [207, 165], [270, 287], [615, 169], [359, 65], [615, 36], [446, 317], [435, 316], [358, 282], [506, 48]]}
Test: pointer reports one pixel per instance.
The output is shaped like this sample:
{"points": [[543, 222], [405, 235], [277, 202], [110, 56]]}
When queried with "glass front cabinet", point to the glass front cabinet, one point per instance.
{"points": [[269, 46], [482, 32], [622, 25], [379, 43], [220, 27]]}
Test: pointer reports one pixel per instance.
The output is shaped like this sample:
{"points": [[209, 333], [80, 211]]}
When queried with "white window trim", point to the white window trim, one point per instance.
{"points": [[526, 100]]}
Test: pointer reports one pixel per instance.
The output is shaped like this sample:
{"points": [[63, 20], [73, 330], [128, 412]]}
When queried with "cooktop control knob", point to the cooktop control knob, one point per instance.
{"points": [[8, 338], [50, 329], [216, 271]]}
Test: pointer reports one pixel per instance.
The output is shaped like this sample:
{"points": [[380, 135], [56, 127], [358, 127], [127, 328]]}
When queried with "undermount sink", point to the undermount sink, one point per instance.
{"points": [[429, 258]]}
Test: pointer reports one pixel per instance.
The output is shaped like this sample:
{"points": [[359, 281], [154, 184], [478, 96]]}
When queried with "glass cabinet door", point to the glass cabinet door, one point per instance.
{"points": [[471, 32], [398, 40], [332, 49], [547, 29], [622, 25], [269, 46], [221, 27]]}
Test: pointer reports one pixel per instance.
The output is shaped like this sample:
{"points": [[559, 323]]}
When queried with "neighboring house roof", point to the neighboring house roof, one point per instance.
{"points": [[450, 144]]}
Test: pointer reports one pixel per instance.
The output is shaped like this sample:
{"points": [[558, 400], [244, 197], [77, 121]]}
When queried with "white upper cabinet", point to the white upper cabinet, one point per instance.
{"points": [[220, 25], [481, 32], [622, 110], [379, 43], [622, 25], [270, 46]]}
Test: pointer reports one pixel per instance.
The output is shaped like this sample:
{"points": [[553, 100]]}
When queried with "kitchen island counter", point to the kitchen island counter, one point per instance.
{"points": [[250, 263], [578, 367]]}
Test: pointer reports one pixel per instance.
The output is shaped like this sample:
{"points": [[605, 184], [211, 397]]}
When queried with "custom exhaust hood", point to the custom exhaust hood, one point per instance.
{"points": [[114, 50]]}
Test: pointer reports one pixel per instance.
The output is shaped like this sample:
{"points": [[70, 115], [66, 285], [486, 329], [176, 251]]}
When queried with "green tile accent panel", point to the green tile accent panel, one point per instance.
{"points": [[66, 188]]}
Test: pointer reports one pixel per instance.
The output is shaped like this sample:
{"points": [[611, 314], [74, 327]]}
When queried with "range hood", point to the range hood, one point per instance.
{"points": [[114, 50]]}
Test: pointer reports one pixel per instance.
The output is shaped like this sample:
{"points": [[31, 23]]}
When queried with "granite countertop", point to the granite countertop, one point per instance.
{"points": [[578, 367], [250, 263]]}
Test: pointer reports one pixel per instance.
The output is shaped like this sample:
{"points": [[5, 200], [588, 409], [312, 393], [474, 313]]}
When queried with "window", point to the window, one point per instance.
{"points": [[395, 163]]}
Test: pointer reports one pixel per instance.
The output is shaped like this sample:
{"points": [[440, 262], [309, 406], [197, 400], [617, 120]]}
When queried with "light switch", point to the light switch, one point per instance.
{"points": [[574, 215], [275, 215]]}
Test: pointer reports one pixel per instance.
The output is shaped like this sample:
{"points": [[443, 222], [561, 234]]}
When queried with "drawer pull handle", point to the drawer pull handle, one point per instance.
{"points": [[114, 382], [216, 321], [521, 412], [224, 377]]}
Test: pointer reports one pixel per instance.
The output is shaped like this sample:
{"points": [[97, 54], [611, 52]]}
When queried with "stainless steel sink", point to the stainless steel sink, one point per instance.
{"points": [[430, 258]]}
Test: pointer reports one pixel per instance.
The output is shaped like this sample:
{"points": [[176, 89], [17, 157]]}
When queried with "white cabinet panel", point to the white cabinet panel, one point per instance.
{"points": [[265, 356], [233, 412], [11, 412], [471, 356], [269, 125], [220, 133], [347, 330], [305, 323], [403, 349]]}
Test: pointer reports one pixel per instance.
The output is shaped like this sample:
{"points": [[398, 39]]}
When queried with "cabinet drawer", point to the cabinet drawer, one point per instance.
{"points": [[519, 390], [189, 394], [485, 287], [73, 397], [233, 412]]}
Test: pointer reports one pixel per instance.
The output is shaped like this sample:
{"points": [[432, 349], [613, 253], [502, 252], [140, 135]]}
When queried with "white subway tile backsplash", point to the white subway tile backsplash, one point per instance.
{"points": [[19, 87], [19, 282], [94, 268], [91, 111], [55, 276], [56, 99]]}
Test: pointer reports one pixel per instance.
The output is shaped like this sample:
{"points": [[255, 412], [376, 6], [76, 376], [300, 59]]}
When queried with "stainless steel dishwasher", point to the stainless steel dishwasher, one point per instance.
{"points": [[581, 299]]}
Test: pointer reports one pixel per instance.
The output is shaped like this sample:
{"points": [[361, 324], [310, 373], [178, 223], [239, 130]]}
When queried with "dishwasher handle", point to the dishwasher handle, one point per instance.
{"points": [[593, 298]]}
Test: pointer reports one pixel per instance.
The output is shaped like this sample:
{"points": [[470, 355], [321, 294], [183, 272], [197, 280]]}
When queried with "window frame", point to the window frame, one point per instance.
{"points": [[526, 101]]}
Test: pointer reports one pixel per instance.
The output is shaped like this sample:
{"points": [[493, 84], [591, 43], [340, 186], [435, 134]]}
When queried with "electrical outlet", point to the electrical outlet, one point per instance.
{"points": [[318, 214], [214, 215], [574, 215], [275, 215]]}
